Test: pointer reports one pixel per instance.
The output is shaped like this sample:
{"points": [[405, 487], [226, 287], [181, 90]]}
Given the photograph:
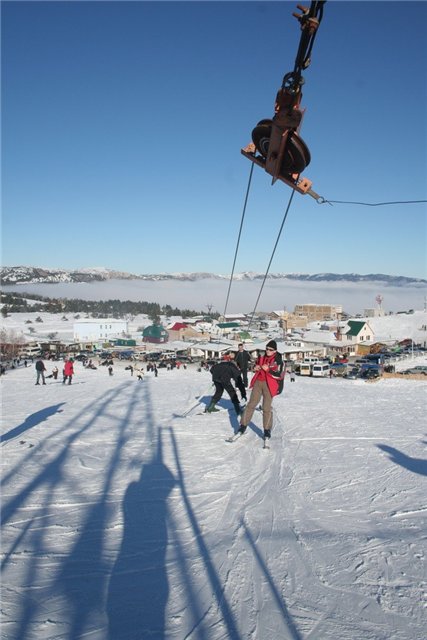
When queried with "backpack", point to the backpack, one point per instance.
{"points": [[282, 374]]}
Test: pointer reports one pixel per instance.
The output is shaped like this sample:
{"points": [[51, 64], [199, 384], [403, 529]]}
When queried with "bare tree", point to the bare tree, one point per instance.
{"points": [[11, 343]]}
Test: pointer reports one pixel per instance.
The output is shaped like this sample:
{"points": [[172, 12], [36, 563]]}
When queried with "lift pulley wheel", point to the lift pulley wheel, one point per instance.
{"points": [[296, 155]]}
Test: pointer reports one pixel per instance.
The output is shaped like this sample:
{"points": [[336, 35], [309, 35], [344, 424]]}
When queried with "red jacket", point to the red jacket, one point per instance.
{"points": [[274, 374], [68, 368]]}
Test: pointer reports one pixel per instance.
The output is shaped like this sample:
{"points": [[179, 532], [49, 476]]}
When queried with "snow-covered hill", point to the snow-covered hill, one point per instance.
{"points": [[122, 520], [22, 275]]}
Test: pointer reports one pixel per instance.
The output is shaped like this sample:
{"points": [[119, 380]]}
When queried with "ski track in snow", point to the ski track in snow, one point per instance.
{"points": [[123, 520]]}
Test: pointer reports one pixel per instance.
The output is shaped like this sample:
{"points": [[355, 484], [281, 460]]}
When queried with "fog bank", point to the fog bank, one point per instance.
{"points": [[201, 294]]}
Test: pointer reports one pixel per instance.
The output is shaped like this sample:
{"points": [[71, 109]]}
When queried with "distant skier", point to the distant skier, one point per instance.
{"points": [[68, 371], [265, 384], [243, 360], [40, 369], [222, 375]]}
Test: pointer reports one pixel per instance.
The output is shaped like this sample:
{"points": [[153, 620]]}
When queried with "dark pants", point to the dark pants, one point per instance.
{"points": [[219, 390], [240, 384], [245, 377]]}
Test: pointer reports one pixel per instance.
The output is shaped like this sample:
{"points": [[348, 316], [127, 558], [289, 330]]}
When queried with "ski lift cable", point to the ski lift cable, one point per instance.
{"points": [[238, 238], [321, 200], [272, 256]]}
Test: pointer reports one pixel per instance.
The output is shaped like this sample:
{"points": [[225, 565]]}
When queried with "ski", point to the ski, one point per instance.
{"points": [[235, 437], [210, 413]]}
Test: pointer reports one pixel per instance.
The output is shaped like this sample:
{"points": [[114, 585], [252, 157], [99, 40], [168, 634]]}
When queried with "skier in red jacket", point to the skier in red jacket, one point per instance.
{"points": [[265, 384], [68, 371]]}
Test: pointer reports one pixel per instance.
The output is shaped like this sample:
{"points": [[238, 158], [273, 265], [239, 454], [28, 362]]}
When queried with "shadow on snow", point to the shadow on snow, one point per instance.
{"points": [[127, 596], [416, 465], [32, 420]]}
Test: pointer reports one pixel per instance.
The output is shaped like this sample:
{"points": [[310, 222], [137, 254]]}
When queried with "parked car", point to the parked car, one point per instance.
{"points": [[81, 356], [416, 370], [369, 374], [339, 369], [352, 373]]}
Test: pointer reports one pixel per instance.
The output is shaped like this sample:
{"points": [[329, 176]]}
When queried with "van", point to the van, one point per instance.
{"points": [[305, 369], [321, 370], [30, 352]]}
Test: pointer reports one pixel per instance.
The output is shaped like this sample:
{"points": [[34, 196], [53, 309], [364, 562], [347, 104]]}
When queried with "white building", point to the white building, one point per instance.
{"points": [[359, 331], [99, 329]]}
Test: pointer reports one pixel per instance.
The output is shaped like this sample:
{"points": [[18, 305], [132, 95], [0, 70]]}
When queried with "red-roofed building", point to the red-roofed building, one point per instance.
{"points": [[177, 326]]}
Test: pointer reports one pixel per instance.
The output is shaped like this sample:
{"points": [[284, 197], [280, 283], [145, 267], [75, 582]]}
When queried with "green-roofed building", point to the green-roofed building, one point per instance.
{"points": [[355, 327], [228, 325], [359, 331], [155, 334]]}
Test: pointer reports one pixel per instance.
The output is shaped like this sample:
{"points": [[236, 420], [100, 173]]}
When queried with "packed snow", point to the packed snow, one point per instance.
{"points": [[122, 519]]}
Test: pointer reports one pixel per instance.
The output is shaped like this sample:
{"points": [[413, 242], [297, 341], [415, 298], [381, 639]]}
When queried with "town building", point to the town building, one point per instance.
{"points": [[315, 312], [358, 331], [185, 331], [155, 333], [377, 312], [97, 329]]}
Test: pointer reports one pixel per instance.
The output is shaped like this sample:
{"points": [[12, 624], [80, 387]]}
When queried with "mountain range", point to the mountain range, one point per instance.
{"points": [[33, 275]]}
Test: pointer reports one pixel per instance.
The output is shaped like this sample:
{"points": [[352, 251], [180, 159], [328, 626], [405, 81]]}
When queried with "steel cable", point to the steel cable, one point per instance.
{"points": [[369, 204], [238, 238], [272, 256]]}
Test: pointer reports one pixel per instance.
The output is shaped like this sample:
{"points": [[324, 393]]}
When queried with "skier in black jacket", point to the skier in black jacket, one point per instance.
{"points": [[40, 369], [222, 375]]}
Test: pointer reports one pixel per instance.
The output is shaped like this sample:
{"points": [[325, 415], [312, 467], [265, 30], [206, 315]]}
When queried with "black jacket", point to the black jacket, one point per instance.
{"points": [[225, 371], [243, 359], [40, 366]]}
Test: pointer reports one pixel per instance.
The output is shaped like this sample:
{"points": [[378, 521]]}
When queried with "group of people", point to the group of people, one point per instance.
{"points": [[266, 383], [230, 375], [67, 372]]}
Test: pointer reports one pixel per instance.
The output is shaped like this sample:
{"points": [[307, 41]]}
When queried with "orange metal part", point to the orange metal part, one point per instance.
{"points": [[295, 181]]}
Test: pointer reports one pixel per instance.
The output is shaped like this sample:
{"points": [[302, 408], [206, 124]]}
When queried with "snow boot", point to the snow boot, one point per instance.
{"points": [[267, 434], [242, 429], [211, 408]]}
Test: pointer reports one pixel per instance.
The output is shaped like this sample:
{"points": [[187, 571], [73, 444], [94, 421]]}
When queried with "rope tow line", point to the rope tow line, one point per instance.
{"points": [[276, 145], [238, 238], [321, 200], [271, 258]]}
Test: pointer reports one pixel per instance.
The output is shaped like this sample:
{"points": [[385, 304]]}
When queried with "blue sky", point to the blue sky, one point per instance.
{"points": [[122, 124]]}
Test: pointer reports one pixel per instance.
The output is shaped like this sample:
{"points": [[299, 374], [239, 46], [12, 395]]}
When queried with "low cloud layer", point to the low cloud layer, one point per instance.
{"points": [[276, 294]]}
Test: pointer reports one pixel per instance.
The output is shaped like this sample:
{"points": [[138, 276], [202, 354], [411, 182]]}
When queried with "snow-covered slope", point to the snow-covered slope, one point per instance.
{"points": [[123, 520]]}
